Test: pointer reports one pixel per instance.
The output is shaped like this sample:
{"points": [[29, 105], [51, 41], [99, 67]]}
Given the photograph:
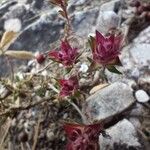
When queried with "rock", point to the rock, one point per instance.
{"points": [[6, 5], [73, 4], [144, 83], [39, 35], [77, 2], [109, 101], [109, 6], [141, 54], [107, 20], [16, 11], [123, 137], [50, 135], [142, 96], [143, 37], [85, 20], [136, 60]]}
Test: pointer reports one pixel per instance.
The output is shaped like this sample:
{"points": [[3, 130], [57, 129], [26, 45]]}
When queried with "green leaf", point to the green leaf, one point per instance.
{"points": [[92, 42], [113, 69], [67, 70], [118, 62], [90, 59]]}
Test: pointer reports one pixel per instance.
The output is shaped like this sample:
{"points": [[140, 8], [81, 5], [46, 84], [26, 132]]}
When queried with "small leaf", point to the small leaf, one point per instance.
{"points": [[92, 43], [62, 13], [98, 87], [118, 62], [113, 69], [115, 61], [90, 59], [67, 70], [66, 2], [19, 54], [56, 2], [7, 38], [93, 66]]}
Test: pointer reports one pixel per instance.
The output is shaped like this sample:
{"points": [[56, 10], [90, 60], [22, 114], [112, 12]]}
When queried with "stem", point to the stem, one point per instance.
{"points": [[73, 104], [103, 74], [68, 25], [79, 111]]}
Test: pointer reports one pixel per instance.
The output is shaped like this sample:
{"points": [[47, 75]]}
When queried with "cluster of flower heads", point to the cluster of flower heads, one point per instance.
{"points": [[105, 53]]}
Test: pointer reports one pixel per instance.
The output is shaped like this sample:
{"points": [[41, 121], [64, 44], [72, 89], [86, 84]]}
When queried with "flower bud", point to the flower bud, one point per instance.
{"points": [[40, 58]]}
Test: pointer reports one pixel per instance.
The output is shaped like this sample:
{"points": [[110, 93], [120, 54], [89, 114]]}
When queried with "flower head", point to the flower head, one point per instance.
{"points": [[69, 86], [105, 50], [67, 55], [83, 137]]}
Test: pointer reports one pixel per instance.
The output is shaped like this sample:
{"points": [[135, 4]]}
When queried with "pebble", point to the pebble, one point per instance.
{"points": [[50, 135], [142, 96]]}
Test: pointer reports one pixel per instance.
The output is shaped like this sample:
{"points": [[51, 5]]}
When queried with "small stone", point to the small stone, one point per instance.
{"points": [[109, 6], [83, 68], [109, 101], [13, 25], [107, 20], [135, 73], [141, 96], [122, 134], [50, 135], [98, 87], [140, 54]]}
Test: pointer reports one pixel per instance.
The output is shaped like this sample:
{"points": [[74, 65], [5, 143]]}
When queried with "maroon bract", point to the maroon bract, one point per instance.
{"points": [[83, 137], [67, 55], [68, 87], [105, 50]]}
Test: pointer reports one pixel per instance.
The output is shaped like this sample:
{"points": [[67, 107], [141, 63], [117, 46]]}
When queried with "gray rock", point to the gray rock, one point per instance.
{"points": [[77, 2], [6, 5], [109, 101], [107, 20], [143, 37], [142, 96], [141, 54], [85, 20], [16, 11], [123, 137], [39, 35], [109, 6]]}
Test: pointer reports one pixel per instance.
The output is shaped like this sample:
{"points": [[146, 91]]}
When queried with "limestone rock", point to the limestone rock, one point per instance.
{"points": [[123, 137], [142, 96], [85, 20], [109, 101], [141, 54], [107, 20], [109, 6], [39, 35]]}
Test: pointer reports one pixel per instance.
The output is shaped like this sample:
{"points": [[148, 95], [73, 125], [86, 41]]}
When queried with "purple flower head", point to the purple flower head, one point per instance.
{"points": [[83, 137], [66, 55], [69, 86], [105, 50]]}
